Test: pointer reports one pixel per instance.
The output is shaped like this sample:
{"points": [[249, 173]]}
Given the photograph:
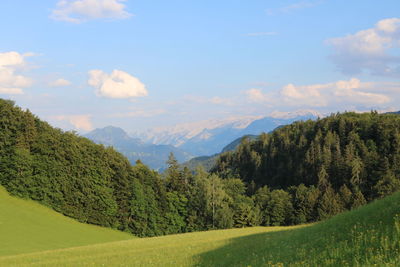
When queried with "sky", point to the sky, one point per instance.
{"points": [[85, 64]]}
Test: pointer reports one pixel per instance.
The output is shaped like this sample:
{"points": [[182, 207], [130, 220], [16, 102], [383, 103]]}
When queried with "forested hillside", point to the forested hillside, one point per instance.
{"points": [[78, 178], [334, 163], [208, 162], [303, 172]]}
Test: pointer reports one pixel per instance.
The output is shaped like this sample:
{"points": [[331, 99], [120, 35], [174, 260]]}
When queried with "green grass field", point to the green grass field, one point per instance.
{"points": [[26, 226], [369, 236]]}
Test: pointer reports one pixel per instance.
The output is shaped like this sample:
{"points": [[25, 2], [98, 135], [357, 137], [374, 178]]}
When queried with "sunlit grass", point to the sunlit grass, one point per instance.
{"points": [[26, 226], [173, 250], [368, 236]]}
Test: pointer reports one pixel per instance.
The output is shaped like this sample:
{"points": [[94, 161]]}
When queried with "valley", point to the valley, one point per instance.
{"points": [[247, 208], [200, 133]]}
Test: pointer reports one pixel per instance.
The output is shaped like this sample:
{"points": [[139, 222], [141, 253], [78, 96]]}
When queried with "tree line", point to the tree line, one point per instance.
{"points": [[303, 172]]}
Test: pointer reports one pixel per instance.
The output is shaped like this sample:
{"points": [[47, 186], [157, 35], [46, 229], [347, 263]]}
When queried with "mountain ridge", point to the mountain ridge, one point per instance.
{"points": [[210, 139], [134, 149]]}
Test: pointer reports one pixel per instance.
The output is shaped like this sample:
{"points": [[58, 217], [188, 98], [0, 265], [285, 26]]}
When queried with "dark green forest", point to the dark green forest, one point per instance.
{"points": [[303, 172]]}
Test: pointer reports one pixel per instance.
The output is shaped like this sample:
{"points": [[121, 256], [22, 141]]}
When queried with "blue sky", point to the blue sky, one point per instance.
{"points": [[83, 64]]}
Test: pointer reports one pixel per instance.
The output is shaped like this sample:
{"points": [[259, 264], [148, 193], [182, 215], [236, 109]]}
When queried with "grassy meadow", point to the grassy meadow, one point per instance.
{"points": [[369, 236], [26, 226]]}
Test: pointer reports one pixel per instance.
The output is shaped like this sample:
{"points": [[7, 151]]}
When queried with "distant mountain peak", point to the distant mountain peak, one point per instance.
{"points": [[113, 130], [133, 148], [295, 114], [109, 135], [110, 129]]}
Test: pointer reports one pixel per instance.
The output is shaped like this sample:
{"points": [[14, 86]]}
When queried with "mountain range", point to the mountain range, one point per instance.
{"points": [[152, 155], [207, 138]]}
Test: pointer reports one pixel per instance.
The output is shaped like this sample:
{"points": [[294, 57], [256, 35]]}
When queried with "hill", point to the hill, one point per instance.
{"points": [[26, 226], [208, 162], [349, 148], [368, 236], [82, 180], [235, 143], [154, 156]]}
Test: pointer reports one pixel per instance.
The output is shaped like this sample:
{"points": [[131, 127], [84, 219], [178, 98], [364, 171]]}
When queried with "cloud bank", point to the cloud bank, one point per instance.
{"points": [[339, 94]]}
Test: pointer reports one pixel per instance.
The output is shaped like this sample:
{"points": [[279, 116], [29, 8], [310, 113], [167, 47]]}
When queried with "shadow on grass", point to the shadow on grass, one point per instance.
{"points": [[255, 250], [369, 234]]}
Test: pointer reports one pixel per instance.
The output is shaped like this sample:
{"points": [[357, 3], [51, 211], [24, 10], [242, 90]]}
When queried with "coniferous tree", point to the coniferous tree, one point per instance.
{"points": [[346, 197]]}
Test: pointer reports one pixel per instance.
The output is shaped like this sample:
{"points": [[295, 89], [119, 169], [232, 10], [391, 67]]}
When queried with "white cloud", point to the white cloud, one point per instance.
{"points": [[79, 122], [59, 83], [309, 94], [369, 50], [294, 114], [320, 95], [255, 95], [351, 94], [118, 84], [77, 11], [10, 81]]}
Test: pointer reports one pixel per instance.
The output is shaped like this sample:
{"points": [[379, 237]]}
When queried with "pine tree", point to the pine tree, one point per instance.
{"points": [[328, 204], [387, 185], [346, 197], [357, 200]]}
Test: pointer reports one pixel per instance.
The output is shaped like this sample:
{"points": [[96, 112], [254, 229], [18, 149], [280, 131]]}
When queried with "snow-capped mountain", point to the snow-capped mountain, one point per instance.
{"points": [[209, 137], [201, 130], [153, 155], [295, 114]]}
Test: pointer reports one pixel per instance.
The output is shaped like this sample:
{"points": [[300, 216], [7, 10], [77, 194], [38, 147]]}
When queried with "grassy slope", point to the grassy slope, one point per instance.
{"points": [[26, 226], [367, 236], [172, 250]]}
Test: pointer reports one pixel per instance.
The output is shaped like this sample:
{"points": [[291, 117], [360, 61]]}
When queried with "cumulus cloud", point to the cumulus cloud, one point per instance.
{"points": [[80, 122], [77, 11], [10, 81], [118, 84], [369, 50], [342, 94], [320, 95], [59, 83]]}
